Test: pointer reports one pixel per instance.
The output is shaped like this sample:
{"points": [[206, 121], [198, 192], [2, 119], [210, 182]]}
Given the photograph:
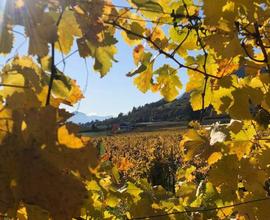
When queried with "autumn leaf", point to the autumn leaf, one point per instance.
{"points": [[103, 59], [214, 157], [66, 35], [137, 53], [68, 139], [124, 164], [143, 81], [168, 82]]}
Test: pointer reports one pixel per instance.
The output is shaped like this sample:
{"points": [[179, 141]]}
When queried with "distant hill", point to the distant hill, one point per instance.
{"points": [[81, 118], [178, 110]]}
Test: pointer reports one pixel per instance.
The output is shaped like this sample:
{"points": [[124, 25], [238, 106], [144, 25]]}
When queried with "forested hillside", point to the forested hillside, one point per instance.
{"points": [[177, 110]]}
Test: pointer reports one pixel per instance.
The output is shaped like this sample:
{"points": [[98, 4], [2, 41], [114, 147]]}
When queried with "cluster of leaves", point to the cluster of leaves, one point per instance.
{"points": [[47, 171], [38, 150], [224, 46], [44, 162]]}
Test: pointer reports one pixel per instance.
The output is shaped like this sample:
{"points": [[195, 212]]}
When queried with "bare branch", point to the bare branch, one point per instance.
{"points": [[53, 67]]}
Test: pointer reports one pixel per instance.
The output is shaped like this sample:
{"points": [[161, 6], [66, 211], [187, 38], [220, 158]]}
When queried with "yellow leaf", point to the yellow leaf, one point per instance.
{"points": [[22, 213], [193, 144], [124, 164], [214, 157], [92, 186], [240, 148], [69, 139], [196, 99], [230, 5], [179, 37], [103, 59], [75, 94], [189, 173], [108, 215], [228, 66], [143, 81], [68, 29], [112, 201], [168, 82], [134, 191]]}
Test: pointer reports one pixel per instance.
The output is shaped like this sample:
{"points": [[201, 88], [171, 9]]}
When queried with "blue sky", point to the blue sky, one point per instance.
{"points": [[111, 94]]}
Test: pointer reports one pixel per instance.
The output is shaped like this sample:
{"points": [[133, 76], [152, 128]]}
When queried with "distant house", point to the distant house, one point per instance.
{"points": [[121, 127]]}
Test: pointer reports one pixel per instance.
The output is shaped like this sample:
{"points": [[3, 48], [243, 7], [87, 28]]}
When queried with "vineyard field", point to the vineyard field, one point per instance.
{"points": [[143, 154]]}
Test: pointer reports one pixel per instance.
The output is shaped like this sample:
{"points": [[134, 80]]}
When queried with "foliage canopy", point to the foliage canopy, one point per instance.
{"points": [[48, 171]]}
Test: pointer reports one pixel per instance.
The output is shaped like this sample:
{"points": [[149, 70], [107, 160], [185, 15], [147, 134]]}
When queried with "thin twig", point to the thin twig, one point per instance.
{"points": [[67, 57], [136, 19], [202, 45], [183, 41]]}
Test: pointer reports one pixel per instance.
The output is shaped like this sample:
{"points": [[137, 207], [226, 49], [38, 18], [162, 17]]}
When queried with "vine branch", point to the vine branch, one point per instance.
{"points": [[53, 75], [53, 66], [148, 39]]}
